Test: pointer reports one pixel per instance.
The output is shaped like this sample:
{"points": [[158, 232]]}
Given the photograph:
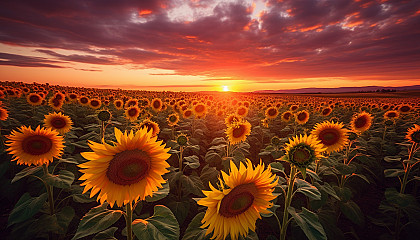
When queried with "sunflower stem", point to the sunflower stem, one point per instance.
{"points": [[102, 131], [129, 220], [49, 191], [181, 150], [287, 202]]}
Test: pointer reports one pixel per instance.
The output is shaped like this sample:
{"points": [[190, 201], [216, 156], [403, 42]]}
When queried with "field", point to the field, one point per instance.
{"points": [[80, 163]]}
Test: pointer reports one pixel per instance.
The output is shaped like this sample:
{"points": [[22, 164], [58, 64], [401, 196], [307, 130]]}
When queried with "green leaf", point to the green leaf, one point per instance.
{"points": [[194, 230], [70, 160], [213, 158], [192, 161], [78, 196], [399, 199], [25, 172], [97, 219], [308, 189], [218, 141], [313, 175], [276, 167], [192, 184], [360, 176], [179, 209], [162, 225], [56, 223], [160, 194], [352, 211], [272, 210], [345, 169], [344, 193], [26, 207], [89, 135], [64, 179], [394, 172], [309, 223], [327, 189], [106, 234], [391, 159], [209, 175]]}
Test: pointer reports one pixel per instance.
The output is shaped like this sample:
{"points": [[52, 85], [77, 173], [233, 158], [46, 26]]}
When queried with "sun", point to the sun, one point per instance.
{"points": [[225, 88]]}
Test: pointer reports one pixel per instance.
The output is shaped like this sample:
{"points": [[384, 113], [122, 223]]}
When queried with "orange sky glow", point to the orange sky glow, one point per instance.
{"points": [[204, 45]]}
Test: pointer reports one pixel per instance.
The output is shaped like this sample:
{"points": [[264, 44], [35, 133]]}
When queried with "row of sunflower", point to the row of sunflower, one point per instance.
{"points": [[197, 166]]}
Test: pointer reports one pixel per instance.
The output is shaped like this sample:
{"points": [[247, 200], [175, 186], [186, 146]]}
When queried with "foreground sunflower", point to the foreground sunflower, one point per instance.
{"points": [[126, 171], [413, 134], [235, 208], [37, 147], [59, 122], [361, 122], [238, 131], [332, 135], [301, 151]]}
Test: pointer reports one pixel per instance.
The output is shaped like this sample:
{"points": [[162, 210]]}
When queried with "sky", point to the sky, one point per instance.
{"points": [[208, 45]]}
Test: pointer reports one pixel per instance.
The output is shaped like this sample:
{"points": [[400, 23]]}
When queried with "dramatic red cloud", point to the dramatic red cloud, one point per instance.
{"points": [[288, 40]]}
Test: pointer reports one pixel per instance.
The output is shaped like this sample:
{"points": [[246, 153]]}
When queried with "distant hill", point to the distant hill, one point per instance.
{"points": [[341, 89]]}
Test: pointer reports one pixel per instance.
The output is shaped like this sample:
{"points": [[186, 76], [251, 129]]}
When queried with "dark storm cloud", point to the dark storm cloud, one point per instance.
{"points": [[292, 38], [26, 61]]}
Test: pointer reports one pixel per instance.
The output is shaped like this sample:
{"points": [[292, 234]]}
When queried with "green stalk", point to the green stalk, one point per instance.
{"points": [[49, 191], [288, 200], [128, 221]]}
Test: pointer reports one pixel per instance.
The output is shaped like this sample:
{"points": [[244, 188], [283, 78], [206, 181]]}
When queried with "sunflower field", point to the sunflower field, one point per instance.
{"points": [[84, 163]]}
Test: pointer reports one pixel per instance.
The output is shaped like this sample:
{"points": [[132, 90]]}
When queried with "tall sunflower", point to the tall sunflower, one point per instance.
{"points": [[235, 208], [361, 122], [413, 134], [37, 147], [59, 122], [126, 171], [303, 150], [332, 135], [302, 117], [238, 131]]}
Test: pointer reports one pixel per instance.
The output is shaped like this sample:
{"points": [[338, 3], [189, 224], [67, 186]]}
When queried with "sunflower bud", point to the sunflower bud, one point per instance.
{"points": [[104, 115], [182, 140]]}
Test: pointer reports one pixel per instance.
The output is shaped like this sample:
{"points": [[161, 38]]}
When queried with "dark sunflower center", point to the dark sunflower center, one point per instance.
{"points": [[326, 111], [58, 96], [156, 104], [118, 104], [416, 137], [56, 102], [241, 111], [391, 114], [132, 112], [94, 103], [199, 108], [58, 122], [34, 98], [83, 100], [128, 167], [172, 118], [294, 108], [301, 116], [360, 122], [272, 112], [301, 155], [405, 109], [238, 200], [36, 145], [187, 113], [239, 131], [73, 96], [329, 137]]}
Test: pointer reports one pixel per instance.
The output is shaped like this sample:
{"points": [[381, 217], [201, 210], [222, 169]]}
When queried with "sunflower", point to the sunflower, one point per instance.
{"points": [[326, 111], [4, 114], [242, 111], [302, 117], [37, 147], [132, 113], [332, 135], [55, 103], [118, 104], [34, 99], [126, 171], [59, 122], [238, 131], [231, 119], [271, 113], [95, 103], [286, 116], [391, 115], [172, 119], [200, 110], [72, 97], [150, 126], [235, 208], [301, 151], [84, 101], [405, 108], [361, 122], [413, 134], [157, 104], [131, 102]]}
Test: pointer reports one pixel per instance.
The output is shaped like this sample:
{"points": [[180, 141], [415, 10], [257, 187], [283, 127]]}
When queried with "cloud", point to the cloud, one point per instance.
{"points": [[26, 61], [291, 39]]}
